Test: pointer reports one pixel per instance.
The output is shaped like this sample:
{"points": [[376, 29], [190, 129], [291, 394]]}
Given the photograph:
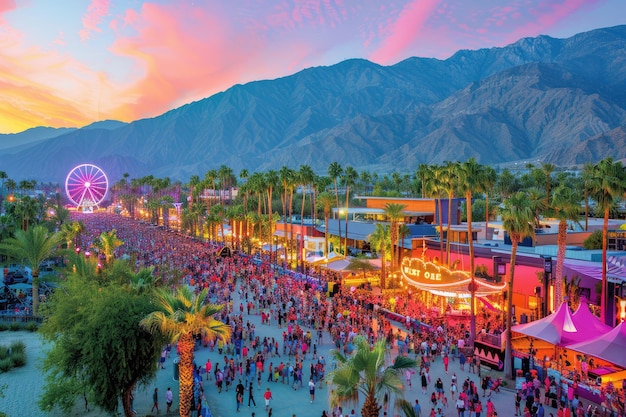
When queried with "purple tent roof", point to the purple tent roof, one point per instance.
{"points": [[609, 346], [558, 328], [587, 322]]}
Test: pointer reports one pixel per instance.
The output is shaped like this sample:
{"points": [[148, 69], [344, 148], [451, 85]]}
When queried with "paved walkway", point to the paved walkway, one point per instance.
{"points": [[287, 402]]}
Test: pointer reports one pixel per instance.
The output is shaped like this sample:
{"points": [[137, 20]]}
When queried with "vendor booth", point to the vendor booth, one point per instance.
{"points": [[577, 351]]}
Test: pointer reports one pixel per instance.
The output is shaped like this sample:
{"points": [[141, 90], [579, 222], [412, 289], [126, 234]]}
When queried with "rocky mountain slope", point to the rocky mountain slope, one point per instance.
{"points": [[540, 99]]}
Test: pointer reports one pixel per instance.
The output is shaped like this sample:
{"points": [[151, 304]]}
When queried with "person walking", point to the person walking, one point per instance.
{"points": [[267, 395], [251, 395], [169, 398], [155, 400], [312, 389]]}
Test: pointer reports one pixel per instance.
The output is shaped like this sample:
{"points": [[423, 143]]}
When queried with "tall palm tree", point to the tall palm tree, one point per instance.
{"points": [[181, 316], [607, 184], [395, 214], [365, 373], [587, 180], [327, 201], [348, 179], [564, 206], [305, 177], [472, 180], [517, 220], [423, 172], [548, 169], [32, 247], [489, 181], [380, 241], [334, 172], [435, 188], [271, 182], [452, 172], [403, 232]]}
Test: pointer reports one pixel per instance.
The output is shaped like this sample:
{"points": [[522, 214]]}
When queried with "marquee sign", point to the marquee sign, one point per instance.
{"points": [[443, 281]]}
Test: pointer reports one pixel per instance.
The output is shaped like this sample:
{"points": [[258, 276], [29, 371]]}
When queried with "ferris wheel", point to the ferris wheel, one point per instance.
{"points": [[86, 186]]}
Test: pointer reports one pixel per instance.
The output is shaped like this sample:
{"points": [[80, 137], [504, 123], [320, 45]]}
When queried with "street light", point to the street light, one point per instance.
{"points": [[547, 274]]}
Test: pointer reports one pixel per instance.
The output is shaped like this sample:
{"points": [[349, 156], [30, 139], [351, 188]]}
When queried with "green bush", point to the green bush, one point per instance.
{"points": [[4, 352], [31, 326], [18, 347], [6, 365], [594, 241], [15, 327], [3, 326], [18, 359]]}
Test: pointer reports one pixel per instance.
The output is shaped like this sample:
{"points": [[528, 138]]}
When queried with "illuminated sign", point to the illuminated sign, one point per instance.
{"points": [[443, 281], [415, 269]]}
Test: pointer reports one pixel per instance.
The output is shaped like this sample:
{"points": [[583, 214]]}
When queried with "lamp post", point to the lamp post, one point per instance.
{"points": [[547, 274]]}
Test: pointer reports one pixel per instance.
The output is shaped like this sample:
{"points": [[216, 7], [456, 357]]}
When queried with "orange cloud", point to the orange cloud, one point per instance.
{"points": [[180, 62], [45, 88]]}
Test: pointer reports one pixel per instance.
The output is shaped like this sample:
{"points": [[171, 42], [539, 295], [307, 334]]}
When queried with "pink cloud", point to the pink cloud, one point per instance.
{"points": [[182, 53], [6, 6], [96, 12], [300, 13], [404, 30]]}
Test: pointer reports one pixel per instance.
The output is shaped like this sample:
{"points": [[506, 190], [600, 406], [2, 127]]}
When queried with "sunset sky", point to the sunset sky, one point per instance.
{"points": [[72, 62]]}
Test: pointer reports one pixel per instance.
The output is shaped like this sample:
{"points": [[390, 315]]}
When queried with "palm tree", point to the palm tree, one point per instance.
{"points": [[507, 184], [517, 218], [108, 242], [327, 201], [587, 179], [435, 187], [181, 316], [348, 178], [423, 172], [489, 181], [305, 177], [451, 183], [403, 232], [32, 247], [395, 213], [472, 175], [564, 206], [608, 183], [547, 169], [380, 242], [70, 233], [365, 373], [334, 172]]}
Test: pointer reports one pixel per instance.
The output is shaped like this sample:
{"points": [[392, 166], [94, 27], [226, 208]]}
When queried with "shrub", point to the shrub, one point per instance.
{"points": [[594, 241], [4, 352], [3, 326], [18, 359], [18, 347], [6, 365], [31, 326], [15, 327]]}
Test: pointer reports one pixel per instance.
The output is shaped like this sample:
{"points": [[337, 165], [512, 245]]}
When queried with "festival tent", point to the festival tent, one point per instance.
{"points": [[609, 346], [583, 318], [558, 328]]}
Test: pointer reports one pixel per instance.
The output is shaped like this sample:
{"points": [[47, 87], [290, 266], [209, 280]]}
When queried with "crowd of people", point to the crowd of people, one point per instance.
{"points": [[298, 305]]}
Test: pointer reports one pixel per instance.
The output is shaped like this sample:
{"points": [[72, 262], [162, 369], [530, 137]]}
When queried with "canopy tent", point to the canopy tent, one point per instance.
{"points": [[583, 318], [558, 328], [609, 346]]}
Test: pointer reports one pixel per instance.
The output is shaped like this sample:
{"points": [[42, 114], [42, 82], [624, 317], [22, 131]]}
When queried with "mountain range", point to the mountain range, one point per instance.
{"points": [[540, 99]]}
